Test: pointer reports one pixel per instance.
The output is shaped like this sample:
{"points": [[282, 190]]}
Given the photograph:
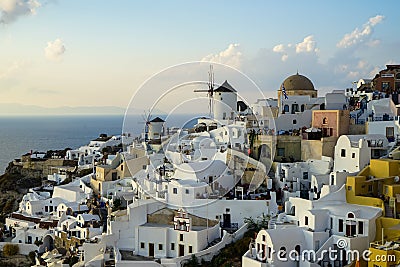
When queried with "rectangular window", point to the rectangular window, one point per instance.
{"points": [[353, 155], [385, 86], [331, 222], [190, 249], [46, 208], [305, 175], [343, 153], [186, 191], [175, 190], [389, 132], [160, 247], [340, 225], [281, 152], [172, 246], [181, 237], [306, 220], [141, 244], [263, 238], [360, 228]]}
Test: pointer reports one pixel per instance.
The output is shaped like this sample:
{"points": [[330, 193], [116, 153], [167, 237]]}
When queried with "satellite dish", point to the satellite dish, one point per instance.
{"points": [[396, 179]]}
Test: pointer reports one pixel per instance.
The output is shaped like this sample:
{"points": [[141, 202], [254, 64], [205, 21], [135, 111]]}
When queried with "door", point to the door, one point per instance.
{"points": [[151, 249], [181, 250]]}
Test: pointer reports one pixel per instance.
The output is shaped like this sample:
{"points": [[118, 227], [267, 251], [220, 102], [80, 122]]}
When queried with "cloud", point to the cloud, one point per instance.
{"points": [[358, 36], [307, 46], [280, 48], [11, 69], [55, 50], [231, 56], [12, 9]]}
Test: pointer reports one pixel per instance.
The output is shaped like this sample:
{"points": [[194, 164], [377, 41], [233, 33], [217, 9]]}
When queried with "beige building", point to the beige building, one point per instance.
{"points": [[331, 122], [118, 169]]}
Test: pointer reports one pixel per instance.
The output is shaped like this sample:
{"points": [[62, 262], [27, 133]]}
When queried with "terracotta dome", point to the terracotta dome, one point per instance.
{"points": [[298, 82]]}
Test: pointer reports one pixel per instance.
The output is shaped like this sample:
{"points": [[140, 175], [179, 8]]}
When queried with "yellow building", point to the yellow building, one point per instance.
{"points": [[378, 185]]}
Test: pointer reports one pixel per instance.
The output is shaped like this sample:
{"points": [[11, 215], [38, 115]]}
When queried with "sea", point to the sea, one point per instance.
{"points": [[20, 135]]}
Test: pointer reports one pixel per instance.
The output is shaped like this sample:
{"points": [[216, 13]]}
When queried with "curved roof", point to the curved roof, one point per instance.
{"points": [[298, 82]]}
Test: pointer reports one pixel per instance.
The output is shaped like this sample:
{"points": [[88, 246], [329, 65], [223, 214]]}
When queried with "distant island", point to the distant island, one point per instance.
{"points": [[15, 109]]}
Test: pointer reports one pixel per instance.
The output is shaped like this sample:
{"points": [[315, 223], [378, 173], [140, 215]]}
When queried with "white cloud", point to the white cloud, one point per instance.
{"points": [[307, 46], [54, 50], [279, 48], [373, 43], [360, 35], [12, 9], [375, 20], [12, 69], [231, 56], [362, 64]]}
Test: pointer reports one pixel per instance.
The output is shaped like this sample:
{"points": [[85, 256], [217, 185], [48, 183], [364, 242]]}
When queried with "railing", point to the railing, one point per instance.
{"points": [[231, 226]]}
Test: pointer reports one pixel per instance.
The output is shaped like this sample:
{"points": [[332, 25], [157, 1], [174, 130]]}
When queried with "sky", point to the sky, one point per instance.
{"points": [[98, 53]]}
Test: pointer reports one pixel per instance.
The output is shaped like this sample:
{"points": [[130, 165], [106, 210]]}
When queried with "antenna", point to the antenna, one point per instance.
{"points": [[210, 91]]}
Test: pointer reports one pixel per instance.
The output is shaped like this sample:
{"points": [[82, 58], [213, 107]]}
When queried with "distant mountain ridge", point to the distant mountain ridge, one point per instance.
{"points": [[14, 109]]}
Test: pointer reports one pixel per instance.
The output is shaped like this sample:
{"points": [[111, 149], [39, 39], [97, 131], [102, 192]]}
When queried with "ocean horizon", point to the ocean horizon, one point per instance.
{"points": [[21, 134]]}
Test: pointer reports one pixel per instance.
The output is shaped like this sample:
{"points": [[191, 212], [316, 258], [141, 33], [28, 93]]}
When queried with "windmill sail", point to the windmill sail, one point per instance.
{"points": [[210, 91]]}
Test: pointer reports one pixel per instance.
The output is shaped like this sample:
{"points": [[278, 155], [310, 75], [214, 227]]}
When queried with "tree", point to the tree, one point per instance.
{"points": [[193, 262], [10, 250], [32, 257], [257, 224], [117, 204]]}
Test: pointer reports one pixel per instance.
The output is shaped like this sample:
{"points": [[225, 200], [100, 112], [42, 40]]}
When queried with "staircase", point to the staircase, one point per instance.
{"points": [[388, 211], [272, 223]]}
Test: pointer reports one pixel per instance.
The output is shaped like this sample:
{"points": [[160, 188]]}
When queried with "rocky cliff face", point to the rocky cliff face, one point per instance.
{"points": [[14, 183], [17, 178]]}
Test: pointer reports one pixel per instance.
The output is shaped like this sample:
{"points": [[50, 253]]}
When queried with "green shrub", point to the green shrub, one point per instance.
{"points": [[32, 257], [10, 250]]}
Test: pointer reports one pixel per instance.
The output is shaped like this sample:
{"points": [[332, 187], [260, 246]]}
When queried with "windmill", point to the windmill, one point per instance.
{"points": [[146, 121], [210, 91]]}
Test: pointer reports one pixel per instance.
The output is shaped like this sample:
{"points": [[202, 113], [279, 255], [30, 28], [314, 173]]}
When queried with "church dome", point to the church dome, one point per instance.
{"points": [[298, 82]]}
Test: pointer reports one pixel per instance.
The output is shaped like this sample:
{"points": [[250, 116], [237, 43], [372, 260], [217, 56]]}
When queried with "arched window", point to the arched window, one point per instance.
{"points": [[286, 108], [325, 120], [292, 211], [350, 215]]}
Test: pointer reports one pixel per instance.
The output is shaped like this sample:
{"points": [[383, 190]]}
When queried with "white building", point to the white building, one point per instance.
{"points": [[312, 229], [296, 177], [336, 100], [156, 128], [225, 103], [352, 153], [76, 191]]}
